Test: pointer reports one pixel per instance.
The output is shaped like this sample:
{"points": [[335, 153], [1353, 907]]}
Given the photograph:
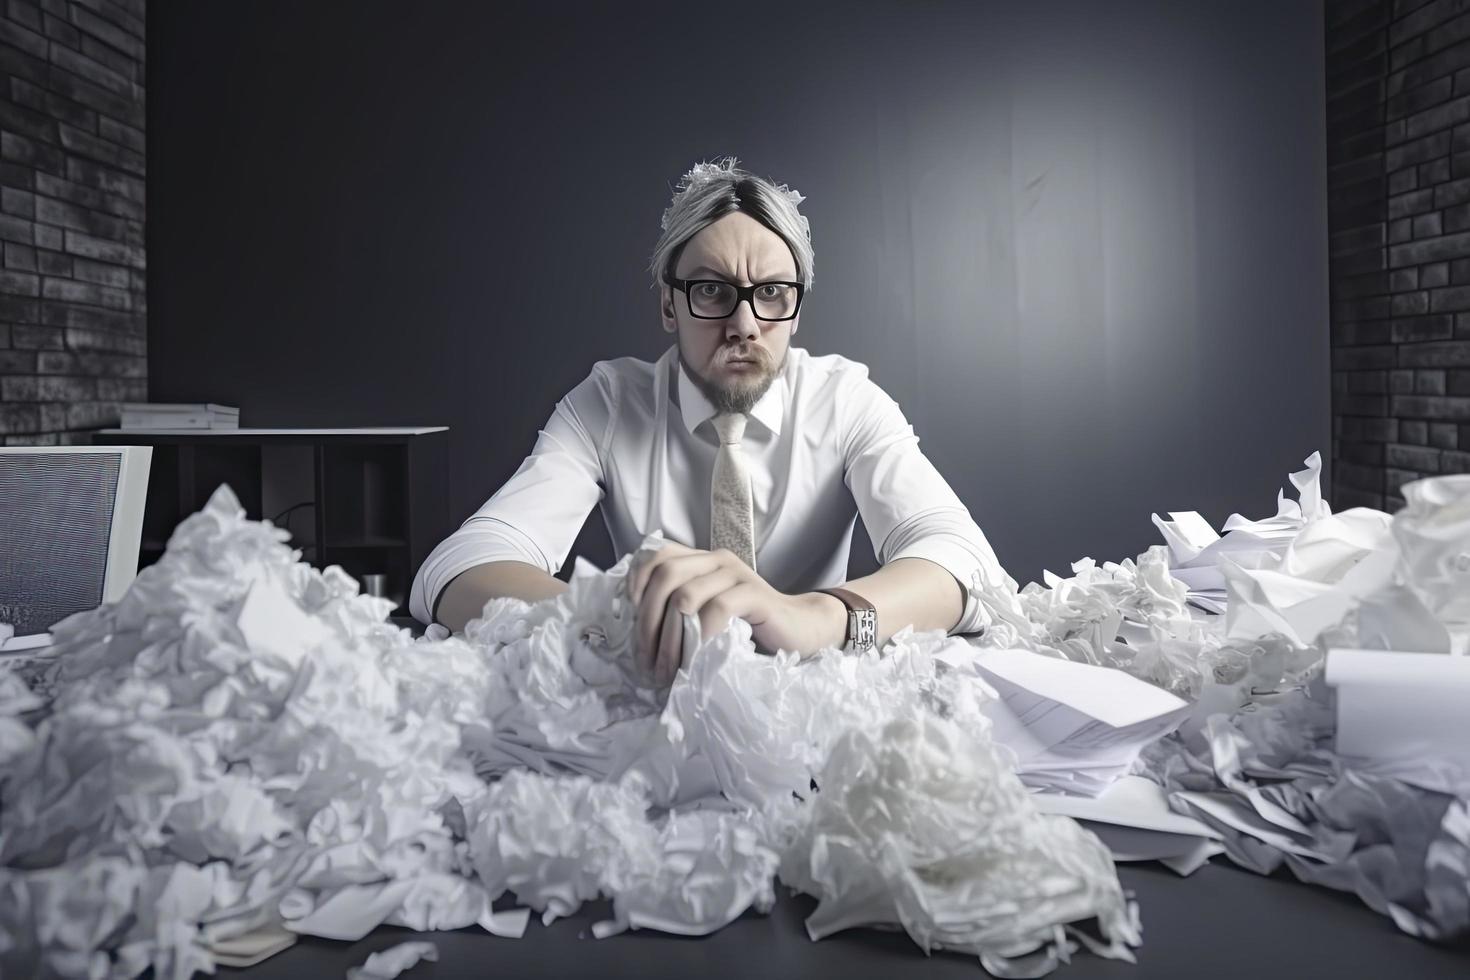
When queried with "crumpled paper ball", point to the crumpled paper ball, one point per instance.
{"points": [[922, 824], [557, 843], [1433, 535]]}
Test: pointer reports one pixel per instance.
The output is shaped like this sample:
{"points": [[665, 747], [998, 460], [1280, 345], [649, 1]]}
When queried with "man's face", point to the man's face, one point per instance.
{"points": [[738, 249]]}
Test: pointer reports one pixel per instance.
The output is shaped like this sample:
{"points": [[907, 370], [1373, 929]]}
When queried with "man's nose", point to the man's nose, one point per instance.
{"points": [[742, 323]]}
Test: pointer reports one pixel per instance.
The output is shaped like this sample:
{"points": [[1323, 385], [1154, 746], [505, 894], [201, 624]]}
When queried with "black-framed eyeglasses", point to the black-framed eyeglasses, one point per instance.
{"points": [[715, 299]]}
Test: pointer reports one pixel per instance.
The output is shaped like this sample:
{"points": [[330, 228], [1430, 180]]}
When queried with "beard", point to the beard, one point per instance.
{"points": [[734, 393]]}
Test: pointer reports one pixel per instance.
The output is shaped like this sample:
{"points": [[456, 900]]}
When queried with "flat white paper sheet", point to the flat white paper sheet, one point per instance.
{"points": [[1132, 801], [1108, 700], [1133, 818], [1074, 727], [1183, 854], [18, 644], [1398, 708]]}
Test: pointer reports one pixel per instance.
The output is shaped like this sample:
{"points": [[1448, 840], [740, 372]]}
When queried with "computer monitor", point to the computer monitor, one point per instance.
{"points": [[71, 520]]}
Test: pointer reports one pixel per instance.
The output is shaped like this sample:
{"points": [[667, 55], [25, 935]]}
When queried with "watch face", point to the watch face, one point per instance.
{"points": [[866, 634]]}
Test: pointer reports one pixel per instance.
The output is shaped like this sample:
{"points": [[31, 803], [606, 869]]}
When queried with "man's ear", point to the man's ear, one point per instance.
{"points": [[666, 304]]}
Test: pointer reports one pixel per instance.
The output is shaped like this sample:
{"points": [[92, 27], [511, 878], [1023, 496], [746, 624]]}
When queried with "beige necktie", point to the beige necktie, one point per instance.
{"points": [[731, 513]]}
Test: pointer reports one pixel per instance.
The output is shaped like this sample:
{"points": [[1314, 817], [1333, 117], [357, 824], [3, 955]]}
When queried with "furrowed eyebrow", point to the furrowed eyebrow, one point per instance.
{"points": [[704, 270], [697, 270]]}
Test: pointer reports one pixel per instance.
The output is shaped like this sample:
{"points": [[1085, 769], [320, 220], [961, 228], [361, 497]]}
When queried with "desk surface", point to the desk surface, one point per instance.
{"points": [[1220, 922]]}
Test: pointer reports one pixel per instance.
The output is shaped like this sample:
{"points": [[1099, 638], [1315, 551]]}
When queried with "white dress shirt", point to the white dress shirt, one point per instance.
{"points": [[825, 445]]}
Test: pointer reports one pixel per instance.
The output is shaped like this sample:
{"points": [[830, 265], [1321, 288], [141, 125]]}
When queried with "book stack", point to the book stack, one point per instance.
{"points": [[150, 415]]}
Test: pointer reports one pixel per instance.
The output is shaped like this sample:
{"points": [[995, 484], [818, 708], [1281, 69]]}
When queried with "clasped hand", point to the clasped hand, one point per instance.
{"points": [[716, 586]]}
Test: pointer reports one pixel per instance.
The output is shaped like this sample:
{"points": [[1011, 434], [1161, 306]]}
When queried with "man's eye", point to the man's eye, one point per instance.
{"points": [[709, 289]]}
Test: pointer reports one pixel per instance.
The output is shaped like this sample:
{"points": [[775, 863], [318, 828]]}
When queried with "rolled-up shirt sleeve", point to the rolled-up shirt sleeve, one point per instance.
{"points": [[536, 516], [907, 507]]}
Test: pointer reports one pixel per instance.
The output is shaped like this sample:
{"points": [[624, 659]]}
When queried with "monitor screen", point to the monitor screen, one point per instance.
{"points": [[68, 535]]}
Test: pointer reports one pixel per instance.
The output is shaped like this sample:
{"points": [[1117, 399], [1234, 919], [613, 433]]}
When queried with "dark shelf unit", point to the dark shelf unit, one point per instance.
{"points": [[369, 500]]}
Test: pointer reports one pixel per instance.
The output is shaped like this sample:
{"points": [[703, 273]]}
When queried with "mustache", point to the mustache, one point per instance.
{"points": [[750, 354]]}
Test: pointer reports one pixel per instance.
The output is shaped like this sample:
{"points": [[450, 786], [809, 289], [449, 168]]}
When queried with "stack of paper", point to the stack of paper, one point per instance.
{"points": [[1074, 727], [152, 415], [1134, 820]]}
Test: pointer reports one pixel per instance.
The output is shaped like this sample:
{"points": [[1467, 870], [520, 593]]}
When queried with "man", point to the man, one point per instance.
{"points": [[753, 457]]}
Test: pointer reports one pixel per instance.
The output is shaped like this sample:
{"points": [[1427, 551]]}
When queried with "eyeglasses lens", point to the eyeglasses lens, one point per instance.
{"points": [[773, 300]]}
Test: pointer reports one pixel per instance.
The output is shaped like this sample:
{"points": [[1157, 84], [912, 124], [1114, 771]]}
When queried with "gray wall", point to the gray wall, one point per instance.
{"points": [[1082, 244]]}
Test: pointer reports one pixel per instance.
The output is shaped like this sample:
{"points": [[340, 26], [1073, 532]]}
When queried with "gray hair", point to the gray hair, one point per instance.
{"points": [[710, 191]]}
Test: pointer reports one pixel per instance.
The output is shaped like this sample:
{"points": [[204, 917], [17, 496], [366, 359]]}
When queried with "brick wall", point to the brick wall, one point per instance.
{"points": [[73, 340], [1398, 154]]}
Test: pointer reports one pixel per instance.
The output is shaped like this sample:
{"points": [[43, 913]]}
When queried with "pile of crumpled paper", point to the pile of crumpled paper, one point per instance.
{"points": [[1136, 616], [1256, 760], [1266, 773], [242, 741]]}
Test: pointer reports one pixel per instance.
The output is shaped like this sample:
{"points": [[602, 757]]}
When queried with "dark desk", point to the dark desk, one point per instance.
{"points": [[1220, 922]]}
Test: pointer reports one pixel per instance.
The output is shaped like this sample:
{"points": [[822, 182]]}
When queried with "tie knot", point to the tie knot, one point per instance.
{"points": [[731, 427]]}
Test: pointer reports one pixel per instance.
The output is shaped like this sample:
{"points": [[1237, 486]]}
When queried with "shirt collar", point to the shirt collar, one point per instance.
{"points": [[696, 408]]}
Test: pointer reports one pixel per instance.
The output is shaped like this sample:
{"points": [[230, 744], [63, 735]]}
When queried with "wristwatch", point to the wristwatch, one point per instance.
{"points": [[862, 621]]}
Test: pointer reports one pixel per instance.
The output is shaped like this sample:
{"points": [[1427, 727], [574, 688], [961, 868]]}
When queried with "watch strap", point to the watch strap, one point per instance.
{"points": [[862, 620]]}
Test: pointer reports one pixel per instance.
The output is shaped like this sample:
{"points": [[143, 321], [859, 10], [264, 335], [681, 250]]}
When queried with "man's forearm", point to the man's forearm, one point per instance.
{"points": [[465, 596], [906, 591]]}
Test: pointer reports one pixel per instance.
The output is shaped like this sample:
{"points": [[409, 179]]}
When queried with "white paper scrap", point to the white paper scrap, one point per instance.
{"points": [[510, 924], [389, 963], [273, 623], [253, 947]]}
